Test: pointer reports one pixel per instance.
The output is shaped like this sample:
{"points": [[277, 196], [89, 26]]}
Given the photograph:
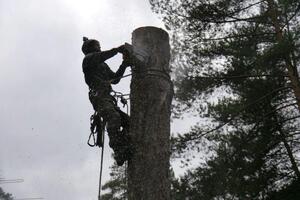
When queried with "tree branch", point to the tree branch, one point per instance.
{"points": [[244, 108]]}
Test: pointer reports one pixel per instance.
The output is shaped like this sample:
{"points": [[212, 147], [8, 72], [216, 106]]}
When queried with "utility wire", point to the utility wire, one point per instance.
{"points": [[120, 77], [6, 181]]}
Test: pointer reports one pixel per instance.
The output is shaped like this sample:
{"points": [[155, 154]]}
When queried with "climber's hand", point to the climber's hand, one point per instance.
{"points": [[126, 60], [121, 49]]}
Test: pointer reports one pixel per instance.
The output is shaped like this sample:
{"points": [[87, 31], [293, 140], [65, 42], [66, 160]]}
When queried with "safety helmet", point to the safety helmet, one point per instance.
{"points": [[88, 45]]}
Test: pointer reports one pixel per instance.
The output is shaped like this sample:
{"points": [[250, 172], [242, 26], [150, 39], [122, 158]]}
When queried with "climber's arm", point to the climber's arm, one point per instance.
{"points": [[115, 77], [104, 55]]}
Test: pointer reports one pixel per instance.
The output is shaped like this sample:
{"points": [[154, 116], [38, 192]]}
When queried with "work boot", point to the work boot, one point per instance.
{"points": [[119, 157], [116, 143], [123, 151]]}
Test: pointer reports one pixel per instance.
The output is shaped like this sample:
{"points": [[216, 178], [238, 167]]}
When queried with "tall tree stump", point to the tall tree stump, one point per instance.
{"points": [[151, 96]]}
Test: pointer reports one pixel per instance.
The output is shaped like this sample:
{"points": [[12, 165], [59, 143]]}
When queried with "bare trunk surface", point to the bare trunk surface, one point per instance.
{"points": [[151, 95]]}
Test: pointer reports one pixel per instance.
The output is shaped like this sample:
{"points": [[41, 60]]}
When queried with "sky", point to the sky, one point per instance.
{"points": [[44, 109]]}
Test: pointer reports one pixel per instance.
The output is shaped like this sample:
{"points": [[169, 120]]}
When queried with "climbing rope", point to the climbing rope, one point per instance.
{"points": [[101, 164], [120, 77]]}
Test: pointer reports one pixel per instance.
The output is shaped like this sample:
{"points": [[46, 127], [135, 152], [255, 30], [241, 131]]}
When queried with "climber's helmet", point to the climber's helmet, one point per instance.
{"points": [[90, 45]]}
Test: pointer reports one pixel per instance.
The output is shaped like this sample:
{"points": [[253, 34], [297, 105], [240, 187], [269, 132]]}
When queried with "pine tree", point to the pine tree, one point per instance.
{"points": [[246, 54], [117, 185]]}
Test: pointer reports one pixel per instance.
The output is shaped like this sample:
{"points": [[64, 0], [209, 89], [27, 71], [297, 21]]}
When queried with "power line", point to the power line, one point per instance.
{"points": [[6, 181]]}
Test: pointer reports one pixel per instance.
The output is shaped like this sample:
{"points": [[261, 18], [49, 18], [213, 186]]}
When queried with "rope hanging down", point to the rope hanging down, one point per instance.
{"points": [[101, 165]]}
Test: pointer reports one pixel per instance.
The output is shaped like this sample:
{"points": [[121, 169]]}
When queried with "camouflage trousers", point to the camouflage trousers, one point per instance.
{"points": [[117, 125]]}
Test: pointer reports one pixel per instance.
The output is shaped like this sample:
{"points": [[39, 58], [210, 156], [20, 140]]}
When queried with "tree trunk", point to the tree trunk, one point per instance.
{"points": [[290, 154], [288, 149], [151, 96]]}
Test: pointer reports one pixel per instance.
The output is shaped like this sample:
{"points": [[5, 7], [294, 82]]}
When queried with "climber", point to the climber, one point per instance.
{"points": [[99, 77]]}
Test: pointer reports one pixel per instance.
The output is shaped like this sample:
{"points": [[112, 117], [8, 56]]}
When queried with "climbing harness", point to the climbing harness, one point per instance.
{"points": [[120, 96]]}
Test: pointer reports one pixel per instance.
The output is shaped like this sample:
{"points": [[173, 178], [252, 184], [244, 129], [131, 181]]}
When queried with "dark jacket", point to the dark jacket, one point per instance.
{"points": [[97, 74]]}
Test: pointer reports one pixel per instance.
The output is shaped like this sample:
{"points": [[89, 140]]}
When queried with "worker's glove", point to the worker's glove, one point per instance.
{"points": [[121, 49], [126, 60]]}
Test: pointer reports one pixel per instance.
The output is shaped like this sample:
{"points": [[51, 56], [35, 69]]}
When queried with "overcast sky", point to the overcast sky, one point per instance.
{"points": [[44, 110]]}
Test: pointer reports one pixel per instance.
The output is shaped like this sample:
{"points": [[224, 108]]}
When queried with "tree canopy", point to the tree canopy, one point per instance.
{"points": [[236, 65]]}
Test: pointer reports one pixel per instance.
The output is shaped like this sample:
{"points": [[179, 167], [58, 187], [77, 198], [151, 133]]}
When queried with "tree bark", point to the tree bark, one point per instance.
{"points": [[151, 96]]}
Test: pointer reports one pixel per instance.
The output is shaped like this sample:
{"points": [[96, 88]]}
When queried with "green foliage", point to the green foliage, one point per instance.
{"points": [[117, 186]]}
